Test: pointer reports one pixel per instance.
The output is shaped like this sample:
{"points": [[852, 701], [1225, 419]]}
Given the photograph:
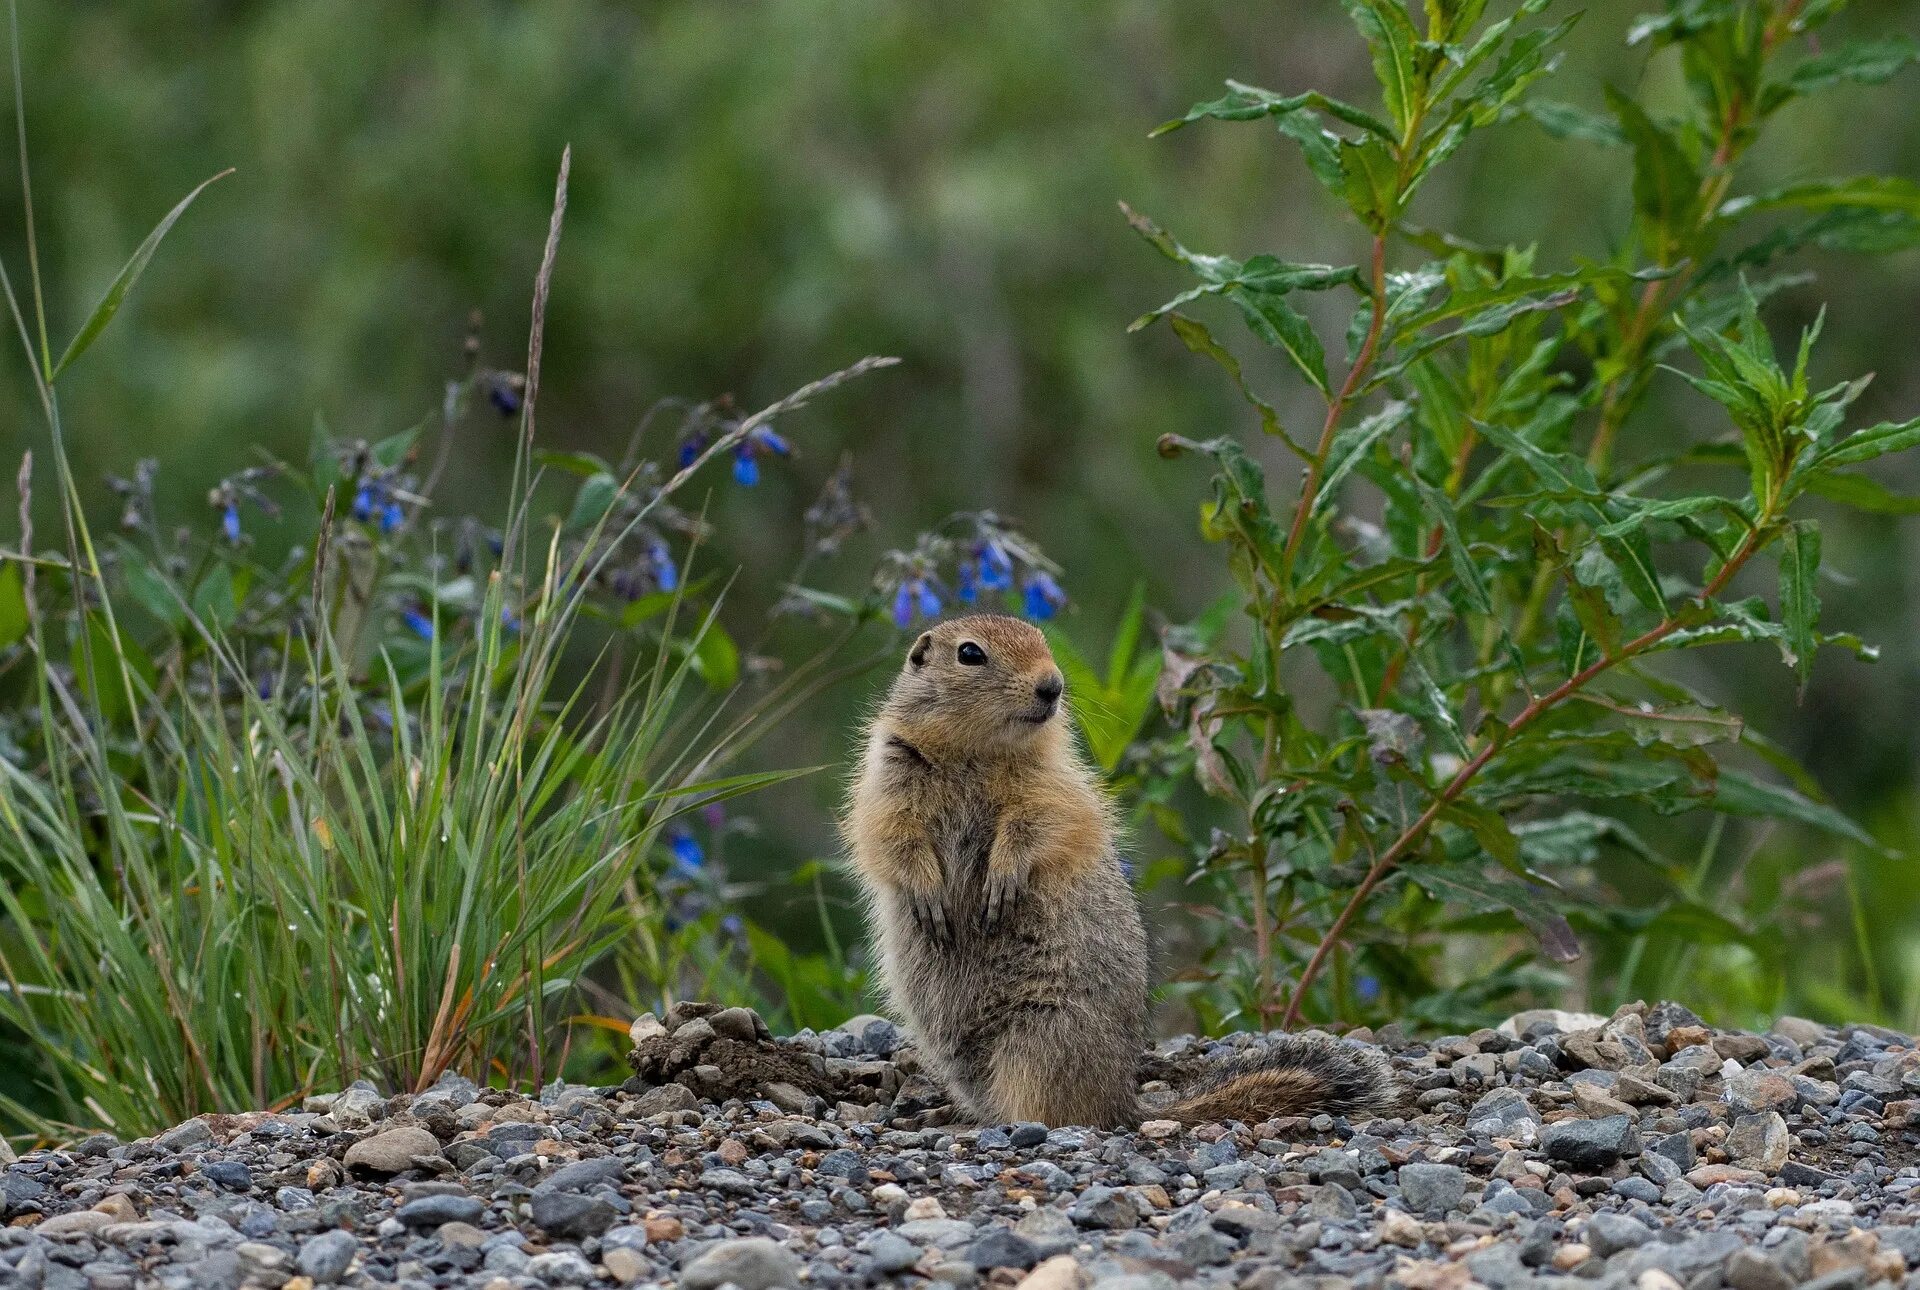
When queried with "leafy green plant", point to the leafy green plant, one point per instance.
{"points": [[282, 851], [1444, 708], [1114, 707]]}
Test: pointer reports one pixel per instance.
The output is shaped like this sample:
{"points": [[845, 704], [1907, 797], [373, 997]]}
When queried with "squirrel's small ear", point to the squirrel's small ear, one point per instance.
{"points": [[918, 654]]}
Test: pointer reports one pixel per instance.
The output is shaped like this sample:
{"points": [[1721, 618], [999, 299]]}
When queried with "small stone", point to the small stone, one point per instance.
{"points": [[459, 1235], [1754, 1092], [81, 1222], [561, 1268], [1155, 1131], [1432, 1189], [1752, 1270], [751, 1263], [184, 1138], [1569, 1257], [1759, 1142], [624, 1265], [1608, 1233], [1592, 1145], [666, 1099], [1105, 1208], [1332, 1201], [327, 1257], [230, 1174], [1001, 1247], [923, 1207], [1061, 1272], [571, 1215], [1656, 1279], [432, 1211], [325, 1173], [662, 1228], [1801, 1031], [391, 1151], [1400, 1228], [892, 1254], [1595, 1104]]}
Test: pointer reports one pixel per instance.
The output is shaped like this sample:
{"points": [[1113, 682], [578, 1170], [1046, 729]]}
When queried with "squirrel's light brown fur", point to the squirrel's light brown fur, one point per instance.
{"points": [[1010, 938]]}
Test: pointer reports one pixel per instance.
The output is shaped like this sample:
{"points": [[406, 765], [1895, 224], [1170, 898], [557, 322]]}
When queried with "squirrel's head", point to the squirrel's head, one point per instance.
{"points": [[985, 680]]}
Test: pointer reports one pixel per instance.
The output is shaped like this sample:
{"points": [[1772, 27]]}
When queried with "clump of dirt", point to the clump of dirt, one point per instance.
{"points": [[721, 1053]]}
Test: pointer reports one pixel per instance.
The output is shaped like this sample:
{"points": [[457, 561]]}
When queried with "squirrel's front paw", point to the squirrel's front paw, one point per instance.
{"points": [[1004, 887], [929, 909]]}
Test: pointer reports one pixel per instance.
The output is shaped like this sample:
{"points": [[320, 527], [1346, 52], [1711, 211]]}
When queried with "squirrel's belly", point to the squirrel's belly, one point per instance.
{"points": [[1076, 958]]}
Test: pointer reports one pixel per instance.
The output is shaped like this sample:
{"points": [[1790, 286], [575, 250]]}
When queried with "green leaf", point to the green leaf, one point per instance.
{"points": [[1862, 493], [716, 658], [1861, 62], [1666, 183], [1352, 443], [1371, 186], [1258, 288], [584, 464], [1877, 192], [1799, 602], [593, 501], [1198, 340], [13, 604], [1251, 103], [1465, 569], [1574, 838], [1875, 441], [1390, 36], [1530, 902], [129, 274], [1565, 121], [1740, 794], [393, 450]]}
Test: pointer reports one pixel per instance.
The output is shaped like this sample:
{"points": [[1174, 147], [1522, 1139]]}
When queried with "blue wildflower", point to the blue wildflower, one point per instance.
{"points": [[732, 925], [688, 855], [363, 504], [996, 567], [1043, 596], [503, 391], [965, 590], [665, 571], [392, 516], [418, 622], [1368, 988], [230, 522], [929, 601], [746, 454], [691, 447], [903, 606], [509, 620]]}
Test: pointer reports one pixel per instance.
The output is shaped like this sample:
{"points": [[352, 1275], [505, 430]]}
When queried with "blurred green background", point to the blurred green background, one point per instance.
{"points": [[764, 192]]}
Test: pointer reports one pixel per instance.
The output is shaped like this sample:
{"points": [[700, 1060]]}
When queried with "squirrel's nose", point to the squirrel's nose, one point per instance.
{"points": [[1049, 687]]}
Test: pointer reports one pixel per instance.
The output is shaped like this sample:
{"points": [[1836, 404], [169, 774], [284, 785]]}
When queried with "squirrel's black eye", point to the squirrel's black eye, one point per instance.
{"points": [[970, 654]]}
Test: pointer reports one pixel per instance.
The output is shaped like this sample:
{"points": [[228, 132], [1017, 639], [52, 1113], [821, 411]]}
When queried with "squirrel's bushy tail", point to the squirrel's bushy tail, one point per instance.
{"points": [[1291, 1075]]}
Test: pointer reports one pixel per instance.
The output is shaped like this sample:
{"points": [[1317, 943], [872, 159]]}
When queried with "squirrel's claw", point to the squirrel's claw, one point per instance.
{"points": [[929, 911], [1003, 890]]}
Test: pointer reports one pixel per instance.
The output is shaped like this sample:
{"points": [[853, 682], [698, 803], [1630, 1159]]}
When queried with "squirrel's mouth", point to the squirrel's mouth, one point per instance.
{"points": [[1040, 712]]}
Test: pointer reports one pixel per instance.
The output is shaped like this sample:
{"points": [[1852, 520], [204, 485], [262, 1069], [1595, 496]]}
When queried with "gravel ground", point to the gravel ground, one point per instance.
{"points": [[1645, 1150]]}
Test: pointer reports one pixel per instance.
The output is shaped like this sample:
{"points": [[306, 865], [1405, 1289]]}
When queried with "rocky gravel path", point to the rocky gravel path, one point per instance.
{"points": [[1645, 1150]]}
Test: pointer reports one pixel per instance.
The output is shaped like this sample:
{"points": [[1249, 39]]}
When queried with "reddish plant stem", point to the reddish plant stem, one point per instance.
{"points": [[1458, 784], [1337, 407]]}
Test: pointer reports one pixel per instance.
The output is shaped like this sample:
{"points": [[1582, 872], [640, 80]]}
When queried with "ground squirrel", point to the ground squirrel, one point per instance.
{"points": [[1010, 937]]}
